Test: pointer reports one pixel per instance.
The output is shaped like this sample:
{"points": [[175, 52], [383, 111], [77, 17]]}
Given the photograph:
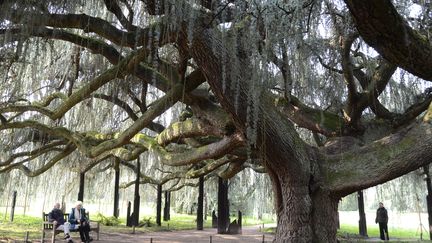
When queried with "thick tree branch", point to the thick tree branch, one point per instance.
{"points": [[113, 7], [35, 152], [94, 45], [210, 166], [68, 150], [141, 37], [320, 121], [380, 161], [195, 155], [347, 68], [234, 167], [188, 128], [381, 26], [158, 107]]}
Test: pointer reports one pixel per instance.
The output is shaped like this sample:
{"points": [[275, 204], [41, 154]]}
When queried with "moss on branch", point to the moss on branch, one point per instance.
{"points": [[380, 161]]}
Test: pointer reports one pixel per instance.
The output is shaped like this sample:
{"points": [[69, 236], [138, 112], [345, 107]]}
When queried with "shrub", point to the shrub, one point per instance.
{"points": [[145, 222], [108, 221]]}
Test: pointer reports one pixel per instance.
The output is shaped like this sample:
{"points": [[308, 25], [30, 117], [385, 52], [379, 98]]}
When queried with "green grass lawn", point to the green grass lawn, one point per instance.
{"points": [[19, 227], [17, 230], [351, 232], [373, 231]]}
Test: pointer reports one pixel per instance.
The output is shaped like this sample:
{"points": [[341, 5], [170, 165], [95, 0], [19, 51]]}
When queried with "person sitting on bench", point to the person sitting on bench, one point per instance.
{"points": [[56, 216], [78, 218]]}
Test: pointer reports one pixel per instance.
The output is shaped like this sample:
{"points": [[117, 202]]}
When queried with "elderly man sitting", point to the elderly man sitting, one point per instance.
{"points": [[56, 216]]}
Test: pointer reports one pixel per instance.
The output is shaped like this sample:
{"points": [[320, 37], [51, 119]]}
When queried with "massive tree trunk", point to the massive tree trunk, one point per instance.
{"points": [[305, 213], [307, 182]]}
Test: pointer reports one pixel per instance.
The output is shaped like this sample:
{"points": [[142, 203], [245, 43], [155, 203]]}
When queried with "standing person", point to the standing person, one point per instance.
{"points": [[78, 217], [382, 220], [56, 216]]}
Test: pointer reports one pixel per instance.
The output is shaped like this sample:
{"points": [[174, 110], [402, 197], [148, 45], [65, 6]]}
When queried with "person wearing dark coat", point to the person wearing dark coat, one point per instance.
{"points": [[56, 217], [78, 217], [382, 220]]}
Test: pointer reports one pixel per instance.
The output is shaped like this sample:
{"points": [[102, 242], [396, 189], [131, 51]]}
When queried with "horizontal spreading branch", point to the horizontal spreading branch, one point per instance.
{"points": [[31, 154], [32, 173], [317, 120], [380, 161], [94, 45], [141, 37], [158, 107], [192, 156], [84, 92], [210, 166], [186, 129]]}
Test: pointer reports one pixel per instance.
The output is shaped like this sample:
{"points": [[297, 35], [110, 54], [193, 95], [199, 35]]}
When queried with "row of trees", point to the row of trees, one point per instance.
{"points": [[290, 88]]}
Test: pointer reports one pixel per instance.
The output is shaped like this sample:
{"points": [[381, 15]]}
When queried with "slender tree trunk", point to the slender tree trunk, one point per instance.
{"points": [[26, 196], [81, 187], [128, 215], [12, 213], [136, 206], [428, 198], [166, 210], [362, 215], [223, 207], [159, 205], [116, 188], [200, 216], [205, 206]]}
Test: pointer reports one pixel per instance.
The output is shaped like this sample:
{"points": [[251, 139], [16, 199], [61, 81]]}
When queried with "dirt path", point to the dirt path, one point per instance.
{"points": [[250, 235]]}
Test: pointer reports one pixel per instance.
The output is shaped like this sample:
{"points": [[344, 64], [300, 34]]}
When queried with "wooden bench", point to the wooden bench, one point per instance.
{"points": [[48, 227]]}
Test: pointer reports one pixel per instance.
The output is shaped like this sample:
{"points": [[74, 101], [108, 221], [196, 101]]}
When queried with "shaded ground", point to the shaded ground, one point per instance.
{"points": [[250, 234]]}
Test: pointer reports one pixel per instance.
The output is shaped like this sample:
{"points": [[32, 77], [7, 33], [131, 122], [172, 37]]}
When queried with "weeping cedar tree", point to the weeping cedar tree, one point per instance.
{"points": [[91, 78]]}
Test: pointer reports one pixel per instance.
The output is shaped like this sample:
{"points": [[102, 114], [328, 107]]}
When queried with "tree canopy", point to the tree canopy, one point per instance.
{"points": [[307, 91]]}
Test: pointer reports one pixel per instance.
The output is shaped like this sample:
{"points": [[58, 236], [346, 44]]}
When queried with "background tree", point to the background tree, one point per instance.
{"points": [[90, 79]]}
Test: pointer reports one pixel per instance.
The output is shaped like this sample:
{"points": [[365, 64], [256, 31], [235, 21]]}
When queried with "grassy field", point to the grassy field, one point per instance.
{"points": [[350, 232], [17, 230], [19, 227], [373, 231], [22, 224]]}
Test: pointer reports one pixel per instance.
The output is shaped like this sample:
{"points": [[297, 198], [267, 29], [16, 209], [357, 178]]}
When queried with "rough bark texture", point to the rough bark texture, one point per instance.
{"points": [[294, 214], [285, 155]]}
